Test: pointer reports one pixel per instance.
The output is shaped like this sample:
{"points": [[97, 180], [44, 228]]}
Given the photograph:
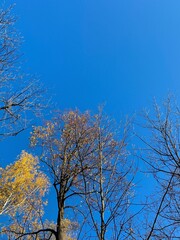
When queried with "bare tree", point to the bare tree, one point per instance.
{"points": [[109, 185], [162, 156], [19, 93]]}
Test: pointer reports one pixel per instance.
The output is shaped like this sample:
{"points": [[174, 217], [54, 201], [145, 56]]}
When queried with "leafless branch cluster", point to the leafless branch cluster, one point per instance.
{"points": [[109, 185], [162, 156], [19, 93]]}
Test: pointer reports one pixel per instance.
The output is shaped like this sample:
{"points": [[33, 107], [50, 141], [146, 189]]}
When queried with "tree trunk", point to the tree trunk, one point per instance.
{"points": [[60, 230]]}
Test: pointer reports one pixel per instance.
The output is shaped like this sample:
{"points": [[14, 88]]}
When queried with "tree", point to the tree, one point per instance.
{"points": [[19, 93], [163, 160], [108, 185], [88, 166], [22, 190], [59, 141]]}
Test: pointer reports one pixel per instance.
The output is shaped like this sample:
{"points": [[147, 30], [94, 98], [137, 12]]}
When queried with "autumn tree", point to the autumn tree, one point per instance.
{"points": [[162, 156], [22, 190], [86, 161], [19, 94], [60, 141]]}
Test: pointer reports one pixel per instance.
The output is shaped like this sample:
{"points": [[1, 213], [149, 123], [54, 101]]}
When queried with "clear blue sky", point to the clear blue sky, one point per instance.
{"points": [[87, 52]]}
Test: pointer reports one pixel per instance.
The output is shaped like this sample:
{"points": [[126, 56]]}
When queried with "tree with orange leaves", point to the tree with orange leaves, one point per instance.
{"points": [[87, 162]]}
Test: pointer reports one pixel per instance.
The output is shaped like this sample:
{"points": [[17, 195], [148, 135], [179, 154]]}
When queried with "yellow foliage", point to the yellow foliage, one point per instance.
{"points": [[69, 228], [19, 182]]}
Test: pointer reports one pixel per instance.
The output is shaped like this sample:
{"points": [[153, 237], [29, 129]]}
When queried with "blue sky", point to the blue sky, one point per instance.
{"points": [[88, 52]]}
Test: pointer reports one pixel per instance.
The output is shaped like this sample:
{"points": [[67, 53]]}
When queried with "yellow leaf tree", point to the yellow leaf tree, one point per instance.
{"points": [[22, 188]]}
